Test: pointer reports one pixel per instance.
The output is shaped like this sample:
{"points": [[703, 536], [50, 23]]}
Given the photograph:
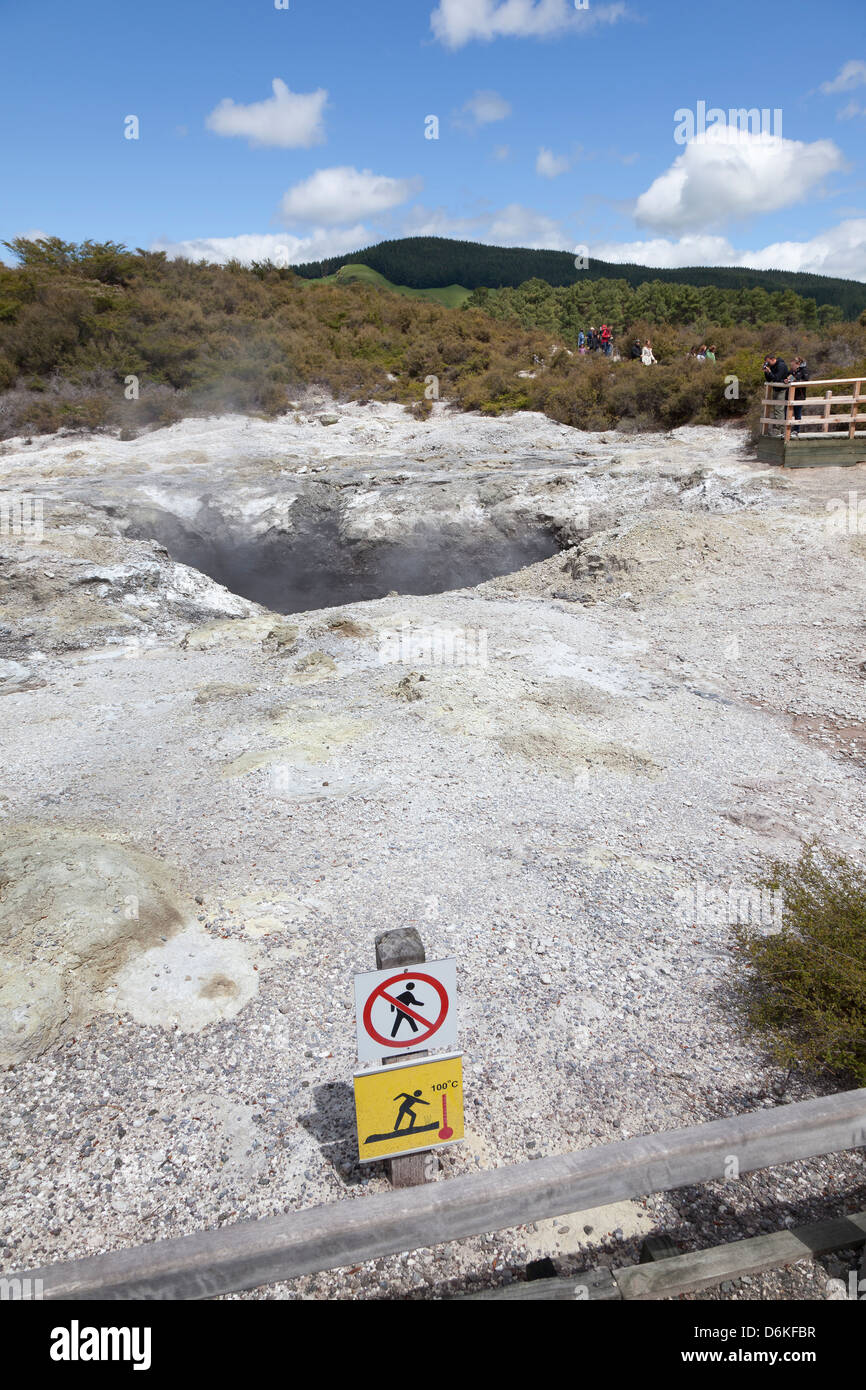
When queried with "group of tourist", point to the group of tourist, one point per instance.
{"points": [[601, 340], [643, 354], [596, 340], [778, 373], [702, 354]]}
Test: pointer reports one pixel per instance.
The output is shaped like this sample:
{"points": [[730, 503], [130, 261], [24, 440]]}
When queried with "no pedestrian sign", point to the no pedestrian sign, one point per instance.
{"points": [[406, 1010]]}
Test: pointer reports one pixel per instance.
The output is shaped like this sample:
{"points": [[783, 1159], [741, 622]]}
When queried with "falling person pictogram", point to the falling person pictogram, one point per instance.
{"points": [[407, 1108]]}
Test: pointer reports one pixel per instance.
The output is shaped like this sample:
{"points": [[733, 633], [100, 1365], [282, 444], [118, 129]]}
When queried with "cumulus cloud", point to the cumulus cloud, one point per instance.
{"points": [[550, 165], [516, 225], [839, 250], [513, 225], [336, 195], [290, 120], [483, 108], [729, 173], [850, 75], [457, 22], [284, 249]]}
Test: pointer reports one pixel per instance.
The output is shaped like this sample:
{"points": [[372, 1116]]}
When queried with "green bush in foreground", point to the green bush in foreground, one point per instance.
{"points": [[806, 991]]}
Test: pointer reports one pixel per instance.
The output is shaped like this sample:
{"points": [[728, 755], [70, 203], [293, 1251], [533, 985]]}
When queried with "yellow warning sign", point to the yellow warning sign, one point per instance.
{"points": [[408, 1107]]}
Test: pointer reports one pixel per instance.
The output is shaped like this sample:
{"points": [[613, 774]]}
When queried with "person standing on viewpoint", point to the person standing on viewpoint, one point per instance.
{"points": [[775, 373]]}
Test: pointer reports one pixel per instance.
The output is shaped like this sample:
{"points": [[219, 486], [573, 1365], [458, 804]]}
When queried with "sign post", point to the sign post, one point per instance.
{"points": [[398, 1009], [394, 949]]}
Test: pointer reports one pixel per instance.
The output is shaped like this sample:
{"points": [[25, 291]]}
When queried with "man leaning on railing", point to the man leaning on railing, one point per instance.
{"points": [[776, 372]]}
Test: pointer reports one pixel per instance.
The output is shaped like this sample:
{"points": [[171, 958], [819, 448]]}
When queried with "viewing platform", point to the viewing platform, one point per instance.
{"points": [[830, 433]]}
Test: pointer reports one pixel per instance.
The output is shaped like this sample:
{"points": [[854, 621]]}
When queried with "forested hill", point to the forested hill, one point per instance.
{"points": [[432, 262]]}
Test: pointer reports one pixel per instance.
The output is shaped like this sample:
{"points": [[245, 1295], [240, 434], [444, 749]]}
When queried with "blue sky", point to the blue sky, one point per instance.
{"points": [[556, 127]]}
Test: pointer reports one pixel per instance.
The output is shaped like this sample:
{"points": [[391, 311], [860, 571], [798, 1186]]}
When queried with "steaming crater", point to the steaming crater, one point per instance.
{"points": [[316, 564]]}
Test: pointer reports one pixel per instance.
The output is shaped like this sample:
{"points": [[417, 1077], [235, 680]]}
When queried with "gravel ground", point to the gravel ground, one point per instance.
{"points": [[652, 714]]}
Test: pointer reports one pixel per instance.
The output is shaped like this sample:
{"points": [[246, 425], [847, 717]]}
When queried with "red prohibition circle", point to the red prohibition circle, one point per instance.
{"points": [[380, 990]]}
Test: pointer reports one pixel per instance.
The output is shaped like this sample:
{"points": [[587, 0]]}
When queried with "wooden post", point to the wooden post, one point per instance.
{"points": [[395, 950], [789, 412], [852, 428], [828, 396]]}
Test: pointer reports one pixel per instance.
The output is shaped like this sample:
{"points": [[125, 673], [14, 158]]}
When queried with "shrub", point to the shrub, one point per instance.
{"points": [[806, 992], [210, 338]]}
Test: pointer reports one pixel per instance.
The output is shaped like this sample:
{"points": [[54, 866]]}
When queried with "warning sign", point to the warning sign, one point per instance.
{"points": [[399, 1011], [409, 1107]]}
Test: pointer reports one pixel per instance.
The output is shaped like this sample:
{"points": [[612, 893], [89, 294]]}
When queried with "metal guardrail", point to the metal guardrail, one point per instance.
{"points": [[252, 1253]]}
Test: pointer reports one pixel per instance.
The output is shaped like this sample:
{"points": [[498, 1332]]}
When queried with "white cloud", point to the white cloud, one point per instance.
{"points": [[483, 108], [852, 74], [456, 22], [850, 111], [550, 165], [729, 173], [291, 120], [839, 250], [688, 250], [282, 250], [336, 195], [514, 225], [502, 152]]}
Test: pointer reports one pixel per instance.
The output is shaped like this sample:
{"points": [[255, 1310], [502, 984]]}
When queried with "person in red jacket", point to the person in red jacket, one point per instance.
{"points": [[605, 337]]}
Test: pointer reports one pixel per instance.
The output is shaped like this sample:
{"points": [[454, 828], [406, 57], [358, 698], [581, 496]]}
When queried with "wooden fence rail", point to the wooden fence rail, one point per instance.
{"points": [[252, 1253], [818, 420]]}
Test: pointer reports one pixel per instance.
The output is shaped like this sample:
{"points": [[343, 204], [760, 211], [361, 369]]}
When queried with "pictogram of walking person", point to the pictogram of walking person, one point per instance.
{"points": [[408, 1108], [407, 997]]}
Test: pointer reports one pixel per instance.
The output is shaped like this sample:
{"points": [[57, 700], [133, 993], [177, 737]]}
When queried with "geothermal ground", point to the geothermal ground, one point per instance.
{"points": [[554, 698]]}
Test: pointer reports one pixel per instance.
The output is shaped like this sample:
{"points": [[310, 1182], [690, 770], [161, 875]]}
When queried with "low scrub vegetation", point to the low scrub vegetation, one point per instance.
{"points": [[97, 336], [805, 991]]}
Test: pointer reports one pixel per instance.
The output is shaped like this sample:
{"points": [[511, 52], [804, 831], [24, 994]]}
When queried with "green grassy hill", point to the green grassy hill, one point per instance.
{"points": [[452, 296], [441, 263]]}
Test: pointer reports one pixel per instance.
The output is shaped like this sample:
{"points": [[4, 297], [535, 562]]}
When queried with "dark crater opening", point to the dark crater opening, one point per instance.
{"points": [[315, 566]]}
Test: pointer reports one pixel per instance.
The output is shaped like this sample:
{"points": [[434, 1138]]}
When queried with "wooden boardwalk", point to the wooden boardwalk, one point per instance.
{"points": [[831, 431]]}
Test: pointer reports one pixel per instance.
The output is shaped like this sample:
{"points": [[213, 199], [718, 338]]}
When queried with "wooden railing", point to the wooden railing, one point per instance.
{"points": [[249, 1254], [819, 412]]}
